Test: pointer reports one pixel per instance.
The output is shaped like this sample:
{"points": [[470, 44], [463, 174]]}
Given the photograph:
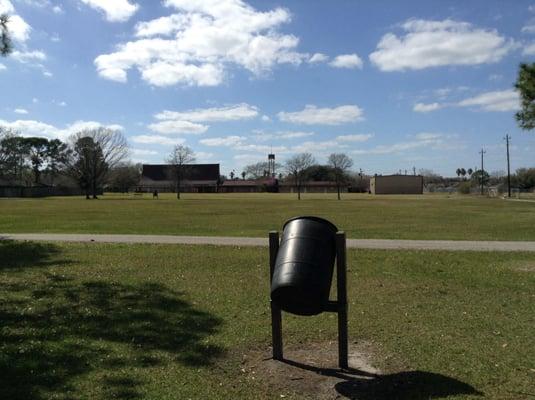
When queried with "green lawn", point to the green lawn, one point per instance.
{"points": [[93, 321], [361, 216]]}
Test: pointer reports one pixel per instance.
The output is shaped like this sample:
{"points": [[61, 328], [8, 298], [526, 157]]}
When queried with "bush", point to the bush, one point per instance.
{"points": [[464, 188]]}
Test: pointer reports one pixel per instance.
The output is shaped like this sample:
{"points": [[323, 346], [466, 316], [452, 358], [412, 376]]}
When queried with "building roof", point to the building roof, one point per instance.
{"points": [[409, 175], [250, 182], [195, 172], [314, 183]]}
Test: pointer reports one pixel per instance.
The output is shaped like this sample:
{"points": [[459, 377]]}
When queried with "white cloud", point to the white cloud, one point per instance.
{"points": [[528, 28], [501, 100], [246, 157], [426, 136], [20, 111], [28, 56], [62, 104], [2, 67], [114, 10], [42, 129], [230, 113], [57, 9], [143, 152], [313, 115], [318, 147], [423, 108], [6, 7], [223, 141], [156, 139], [529, 50], [346, 61], [354, 138], [203, 156], [436, 141], [48, 74], [260, 148], [265, 118], [35, 100], [18, 27], [200, 41], [318, 58], [178, 127], [439, 43], [283, 135]]}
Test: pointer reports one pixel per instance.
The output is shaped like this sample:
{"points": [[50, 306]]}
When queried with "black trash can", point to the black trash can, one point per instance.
{"points": [[304, 266]]}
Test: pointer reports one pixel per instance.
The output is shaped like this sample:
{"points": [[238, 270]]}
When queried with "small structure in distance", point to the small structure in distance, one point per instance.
{"points": [[397, 184], [198, 178]]}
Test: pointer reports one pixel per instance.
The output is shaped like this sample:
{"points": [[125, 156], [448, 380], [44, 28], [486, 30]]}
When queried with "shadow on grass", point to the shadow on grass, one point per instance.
{"points": [[19, 255], [58, 333], [406, 385]]}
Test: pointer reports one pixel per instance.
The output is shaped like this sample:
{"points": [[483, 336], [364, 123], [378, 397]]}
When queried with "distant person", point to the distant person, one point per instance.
{"points": [[155, 194]]}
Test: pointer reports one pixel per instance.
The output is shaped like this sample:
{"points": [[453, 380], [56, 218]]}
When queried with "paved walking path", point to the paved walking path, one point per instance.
{"points": [[450, 245]]}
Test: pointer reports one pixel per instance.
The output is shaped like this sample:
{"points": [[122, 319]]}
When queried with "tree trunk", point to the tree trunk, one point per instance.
{"points": [[178, 190], [298, 192], [338, 187], [94, 188]]}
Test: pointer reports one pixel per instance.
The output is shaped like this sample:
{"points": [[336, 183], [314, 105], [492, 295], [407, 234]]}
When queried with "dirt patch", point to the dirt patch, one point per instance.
{"points": [[525, 266], [310, 370]]}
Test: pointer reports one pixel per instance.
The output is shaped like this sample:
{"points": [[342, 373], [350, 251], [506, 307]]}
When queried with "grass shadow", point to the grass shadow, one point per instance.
{"points": [[61, 330], [406, 385], [16, 255]]}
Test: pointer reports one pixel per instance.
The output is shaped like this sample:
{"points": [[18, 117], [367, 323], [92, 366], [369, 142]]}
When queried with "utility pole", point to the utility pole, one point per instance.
{"points": [[482, 152], [507, 138]]}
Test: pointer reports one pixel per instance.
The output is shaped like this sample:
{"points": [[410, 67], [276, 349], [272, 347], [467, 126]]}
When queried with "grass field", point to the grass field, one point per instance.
{"points": [[92, 321], [361, 216]]}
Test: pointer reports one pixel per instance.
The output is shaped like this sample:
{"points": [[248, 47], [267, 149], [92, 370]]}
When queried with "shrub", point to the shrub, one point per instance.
{"points": [[464, 188]]}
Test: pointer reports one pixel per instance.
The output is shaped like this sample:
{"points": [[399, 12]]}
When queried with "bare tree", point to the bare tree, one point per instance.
{"points": [[257, 170], [179, 158], [93, 153], [340, 163], [296, 168]]}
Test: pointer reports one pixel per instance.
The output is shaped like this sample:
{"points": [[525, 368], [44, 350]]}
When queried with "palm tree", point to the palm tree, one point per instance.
{"points": [[463, 173], [469, 172], [458, 172]]}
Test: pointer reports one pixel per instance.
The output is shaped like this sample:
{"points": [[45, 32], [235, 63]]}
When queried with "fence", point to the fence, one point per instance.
{"points": [[40, 191]]}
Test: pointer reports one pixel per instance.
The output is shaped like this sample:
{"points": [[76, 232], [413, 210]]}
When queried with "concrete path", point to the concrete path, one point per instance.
{"points": [[450, 245]]}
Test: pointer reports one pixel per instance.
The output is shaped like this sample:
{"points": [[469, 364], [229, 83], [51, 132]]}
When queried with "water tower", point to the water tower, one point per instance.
{"points": [[271, 165]]}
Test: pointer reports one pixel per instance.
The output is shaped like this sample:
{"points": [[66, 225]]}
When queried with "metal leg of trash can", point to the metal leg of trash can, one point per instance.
{"points": [[341, 281], [276, 317]]}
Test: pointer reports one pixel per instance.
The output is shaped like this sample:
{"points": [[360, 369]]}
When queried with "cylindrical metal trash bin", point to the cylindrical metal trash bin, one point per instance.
{"points": [[304, 266]]}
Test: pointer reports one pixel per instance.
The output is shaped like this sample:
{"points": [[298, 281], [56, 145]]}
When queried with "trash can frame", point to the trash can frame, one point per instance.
{"points": [[339, 305]]}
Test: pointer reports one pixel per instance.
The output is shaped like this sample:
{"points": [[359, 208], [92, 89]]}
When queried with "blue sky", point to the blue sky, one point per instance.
{"points": [[394, 85]]}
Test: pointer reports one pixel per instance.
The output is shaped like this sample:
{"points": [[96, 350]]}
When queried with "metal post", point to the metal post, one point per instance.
{"points": [[341, 282], [276, 317], [507, 137], [482, 152]]}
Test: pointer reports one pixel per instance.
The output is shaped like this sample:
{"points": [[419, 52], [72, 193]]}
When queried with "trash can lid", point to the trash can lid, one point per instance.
{"points": [[313, 218]]}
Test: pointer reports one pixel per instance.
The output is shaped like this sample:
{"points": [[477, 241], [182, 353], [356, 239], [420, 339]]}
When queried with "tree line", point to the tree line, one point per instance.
{"points": [[303, 167], [89, 159]]}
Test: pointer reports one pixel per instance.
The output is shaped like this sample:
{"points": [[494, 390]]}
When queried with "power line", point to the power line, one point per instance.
{"points": [[482, 152]]}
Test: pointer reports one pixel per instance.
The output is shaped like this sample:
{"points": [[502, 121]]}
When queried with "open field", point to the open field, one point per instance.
{"points": [[102, 321], [360, 215]]}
